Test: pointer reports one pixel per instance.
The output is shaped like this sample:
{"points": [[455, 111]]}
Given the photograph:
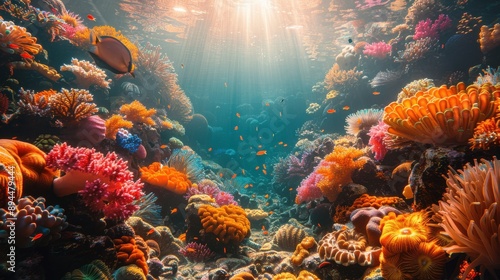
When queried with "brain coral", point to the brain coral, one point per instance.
{"points": [[288, 237], [229, 222], [167, 177]]}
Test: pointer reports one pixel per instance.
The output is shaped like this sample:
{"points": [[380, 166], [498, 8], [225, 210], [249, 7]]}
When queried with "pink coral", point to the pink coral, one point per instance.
{"points": [[377, 50], [427, 28], [197, 252], [308, 189], [224, 198], [377, 134]]}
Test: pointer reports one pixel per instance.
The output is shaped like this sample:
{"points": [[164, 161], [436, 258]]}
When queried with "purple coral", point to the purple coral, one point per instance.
{"points": [[196, 252]]}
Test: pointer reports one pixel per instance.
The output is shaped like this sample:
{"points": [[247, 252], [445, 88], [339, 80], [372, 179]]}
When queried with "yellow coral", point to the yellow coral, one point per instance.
{"points": [[114, 123], [137, 113], [229, 222], [337, 78], [336, 170], [489, 38], [302, 250], [44, 70]]}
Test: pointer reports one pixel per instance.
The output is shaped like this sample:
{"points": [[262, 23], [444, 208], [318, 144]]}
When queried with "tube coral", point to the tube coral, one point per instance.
{"points": [[87, 74]]}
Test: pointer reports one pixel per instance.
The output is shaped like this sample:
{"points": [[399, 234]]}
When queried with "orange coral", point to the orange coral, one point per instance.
{"points": [[403, 233], [70, 106], [24, 165], [441, 116], [137, 113], [341, 79], [425, 262], [366, 200], [114, 123], [302, 250], [303, 275], [242, 276], [347, 247], [486, 134], [336, 170], [16, 40], [81, 38], [229, 222], [44, 70], [166, 177], [127, 252], [489, 38], [35, 103]]}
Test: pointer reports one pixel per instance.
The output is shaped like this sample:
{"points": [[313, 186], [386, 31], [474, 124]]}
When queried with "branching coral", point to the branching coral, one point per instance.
{"points": [[137, 113], [166, 177], [197, 252], [35, 103], [486, 134], [428, 28], [114, 124], [417, 50], [362, 120], [442, 116], [470, 214], [376, 143], [70, 106], [44, 70], [87, 74], [378, 50], [489, 38], [16, 40]]}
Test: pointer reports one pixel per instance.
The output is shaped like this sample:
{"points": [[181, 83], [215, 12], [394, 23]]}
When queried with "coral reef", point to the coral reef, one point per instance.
{"points": [[229, 223], [137, 113], [341, 79], [71, 106], [114, 124], [128, 252]]}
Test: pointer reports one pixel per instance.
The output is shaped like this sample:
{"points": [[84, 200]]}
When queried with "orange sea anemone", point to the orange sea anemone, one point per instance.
{"points": [[403, 235], [425, 262]]}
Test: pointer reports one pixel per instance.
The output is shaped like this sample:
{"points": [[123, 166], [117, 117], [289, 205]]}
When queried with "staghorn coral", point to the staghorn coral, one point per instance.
{"points": [[70, 106], [44, 70], [128, 252], [114, 124], [341, 79], [31, 217], [303, 250], [470, 215], [86, 74], [228, 223], [16, 40], [346, 247], [287, 237], [137, 113], [489, 38], [441, 116], [362, 120], [197, 252], [166, 177]]}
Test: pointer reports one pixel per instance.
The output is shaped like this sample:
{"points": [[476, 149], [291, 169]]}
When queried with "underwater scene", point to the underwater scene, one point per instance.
{"points": [[249, 139]]}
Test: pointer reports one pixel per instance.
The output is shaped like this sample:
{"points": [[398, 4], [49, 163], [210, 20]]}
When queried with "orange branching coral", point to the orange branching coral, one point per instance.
{"points": [[347, 247], [489, 38], [486, 134], [87, 74], [441, 116], [166, 177], [127, 252], [302, 250], [336, 170], [470, 213], [114, 123], [70, 106], [16, 40], [44, 70], [137, 113], [81, 38], [229, 222], [341, 79]]}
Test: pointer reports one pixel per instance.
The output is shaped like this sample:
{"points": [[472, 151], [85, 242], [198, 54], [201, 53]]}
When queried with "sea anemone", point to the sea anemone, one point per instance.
{"points": [[404, 234], [362, 120], [426, 262]]}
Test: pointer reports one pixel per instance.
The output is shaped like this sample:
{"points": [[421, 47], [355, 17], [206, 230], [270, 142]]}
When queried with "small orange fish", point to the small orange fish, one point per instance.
{"points": [[280, 143], [241, 138], [163, 146], [150, 231], [173, 211], [191, 250], [331, 111], [246, 186], [264, 166], [290, 189], [267, 104], [376, 92], [265, 232], [26, 55], [284, 145], [271, 212], [91, 17], [257, 167], [221, 175], [13, 46], [267, 203], [345, 108], [263, 227], [238, 115], [261, 153], [225, 250], [38, 236], [234, 176], [210, 149], [168, 106], [264, 171], [266, 196], [236, 128]]}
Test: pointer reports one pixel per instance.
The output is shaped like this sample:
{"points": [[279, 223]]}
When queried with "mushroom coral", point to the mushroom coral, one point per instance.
{"points": [[441, 116]]}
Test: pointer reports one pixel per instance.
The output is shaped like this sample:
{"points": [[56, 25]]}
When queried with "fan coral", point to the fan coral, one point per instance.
{"points": [[441, 116], [16, 40], [378, 50], [86, 74], [346, 247], [128, 141], [166, 177], [22, 167], [362, 120], [489, 38], [228, 223], [114, 124], [341, 79], [127, 252], [31, 218], [287, 237], [137, 113], [427, 28], [197, 252], [470, 214], [377, 135], [71, 106]]}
